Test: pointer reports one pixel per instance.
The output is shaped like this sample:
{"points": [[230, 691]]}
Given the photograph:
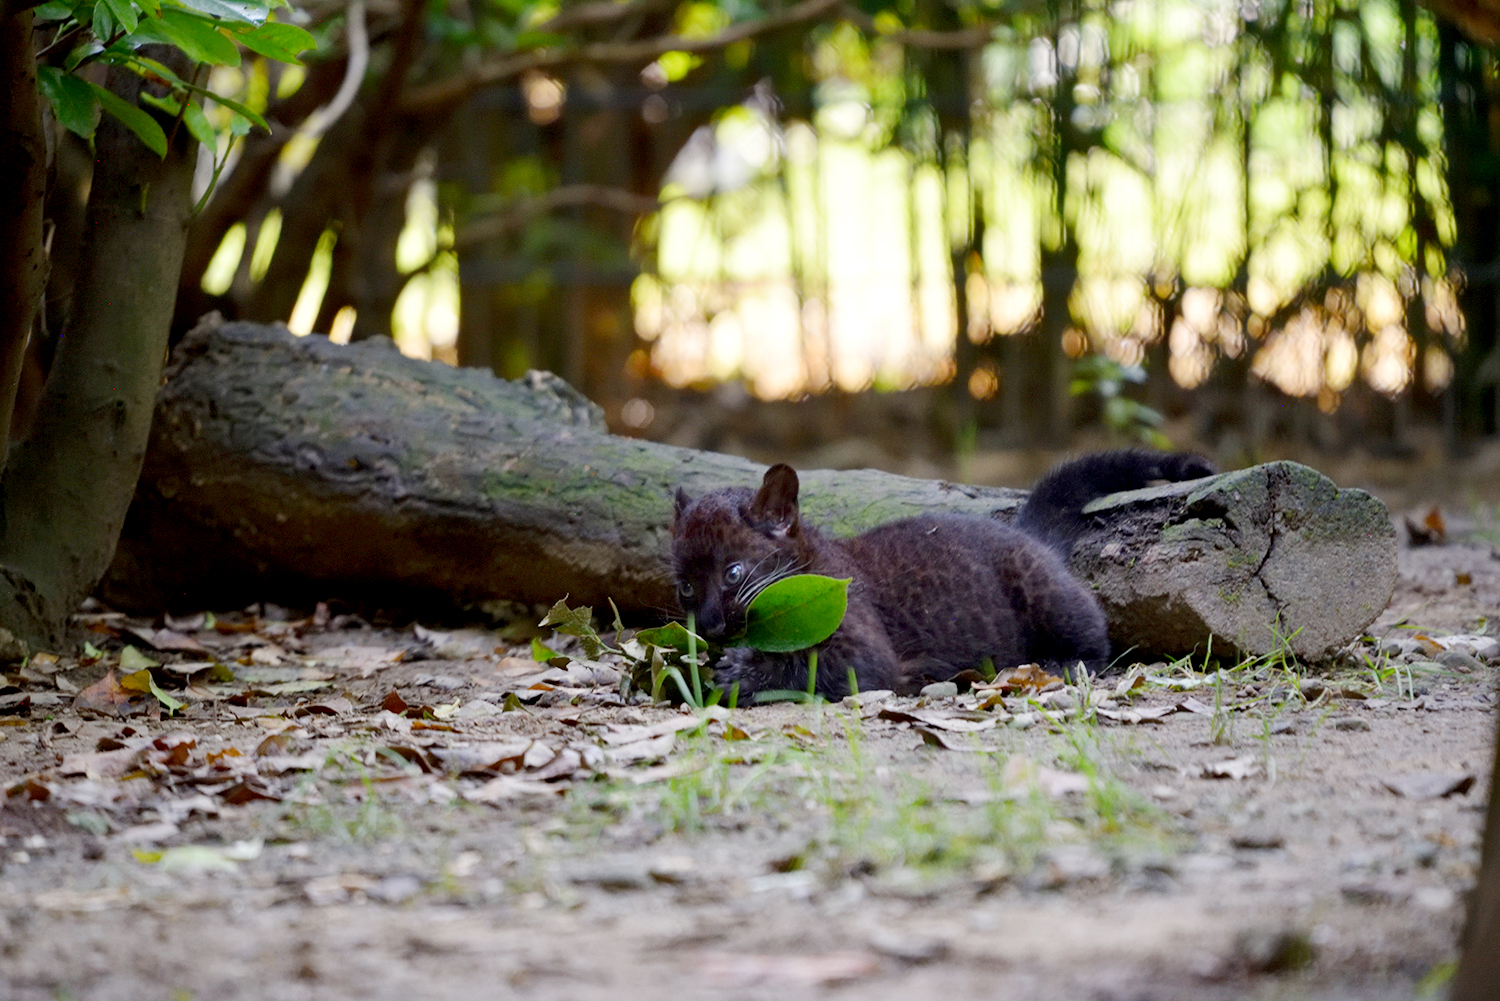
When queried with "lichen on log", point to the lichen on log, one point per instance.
{"points": [[292, 469]]}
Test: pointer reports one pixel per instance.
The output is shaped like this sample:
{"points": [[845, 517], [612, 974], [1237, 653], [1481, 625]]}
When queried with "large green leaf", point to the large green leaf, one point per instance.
{"points": [[136, 120], [71, 99], [200, 39], [52, 10], [228, 10], [124, 14], [278, 41], [795, 613]]}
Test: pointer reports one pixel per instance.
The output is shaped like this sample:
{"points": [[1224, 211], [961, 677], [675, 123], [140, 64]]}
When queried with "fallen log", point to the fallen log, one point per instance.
{"points": [[294, 470]]}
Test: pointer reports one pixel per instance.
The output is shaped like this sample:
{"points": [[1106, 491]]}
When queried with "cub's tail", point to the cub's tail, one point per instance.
{"points": [[1054, 511]]}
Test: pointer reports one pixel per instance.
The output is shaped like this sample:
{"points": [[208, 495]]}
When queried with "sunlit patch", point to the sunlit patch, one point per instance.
{"points": [[219, 274], [1074, 343], [1437, 368], [984, 383], [342, 327], [1014, 305], [637, 413], [544, 97], [1292, 357], [1126, 350], [1442, 307], [1190, 359], [1388, 360], [1340, 361]]}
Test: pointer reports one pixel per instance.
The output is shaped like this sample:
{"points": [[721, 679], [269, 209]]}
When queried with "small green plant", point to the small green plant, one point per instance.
{"points": [[1102, 376], [792, 614]]}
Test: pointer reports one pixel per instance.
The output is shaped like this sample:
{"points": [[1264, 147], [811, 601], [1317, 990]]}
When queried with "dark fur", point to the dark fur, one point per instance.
{"points": [[930, 596], [1054, 510]]}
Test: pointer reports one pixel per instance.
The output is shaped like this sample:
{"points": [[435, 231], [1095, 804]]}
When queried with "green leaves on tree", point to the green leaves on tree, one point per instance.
{"points": [[207, 31], [136, 120], [795, 613]]}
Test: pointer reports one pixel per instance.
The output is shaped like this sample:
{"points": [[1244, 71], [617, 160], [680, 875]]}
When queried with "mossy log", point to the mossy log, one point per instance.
{"points": [[292, 470]]}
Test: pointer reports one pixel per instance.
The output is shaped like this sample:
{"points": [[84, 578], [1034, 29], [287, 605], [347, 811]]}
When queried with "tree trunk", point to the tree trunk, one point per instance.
{"points": [[297, 470], [67, 487], [23, 191], [1479, 967]]}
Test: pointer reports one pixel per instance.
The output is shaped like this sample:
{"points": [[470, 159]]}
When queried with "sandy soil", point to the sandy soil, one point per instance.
{"points": [[575, 847]]}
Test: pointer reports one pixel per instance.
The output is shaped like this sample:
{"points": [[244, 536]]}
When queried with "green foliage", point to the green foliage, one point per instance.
{"points": [[113, 31], [653, 656], [792, 614], [795, 613], [1098, 375]]}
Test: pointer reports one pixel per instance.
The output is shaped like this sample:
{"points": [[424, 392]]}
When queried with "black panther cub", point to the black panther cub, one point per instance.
{"points": [[929, 596]]}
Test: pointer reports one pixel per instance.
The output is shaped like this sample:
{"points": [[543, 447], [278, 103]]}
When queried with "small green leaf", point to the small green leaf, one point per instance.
{"points": [[672, 636], [103, 23], [576, 622], [133, 660], [200, 39], [151, 7], [52, 11], [141, 681], [228, 10], [795, 613], [236, 107], [192, 116], [72, 101], [543, 654], [123, 13], [136, 120], [198, 125], [278, 41]]}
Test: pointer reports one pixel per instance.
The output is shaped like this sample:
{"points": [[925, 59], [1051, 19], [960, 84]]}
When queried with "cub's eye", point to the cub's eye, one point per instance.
{"points": [[685, 589], [734, 573]]}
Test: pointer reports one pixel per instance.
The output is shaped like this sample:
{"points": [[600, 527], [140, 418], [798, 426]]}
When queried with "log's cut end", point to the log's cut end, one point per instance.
{"points": [[1271, 558]]}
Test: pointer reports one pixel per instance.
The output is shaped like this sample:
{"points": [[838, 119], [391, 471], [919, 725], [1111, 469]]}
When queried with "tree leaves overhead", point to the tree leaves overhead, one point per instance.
{"points": [[200, 38], [795, 613], [274, 40], [142, 124], [113, 31], [72, 100]]}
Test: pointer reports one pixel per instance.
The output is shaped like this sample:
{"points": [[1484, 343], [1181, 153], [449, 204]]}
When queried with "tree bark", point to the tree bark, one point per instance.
{"points": [[67, 487], [23, 191], [1479, 966], [296, 470]]}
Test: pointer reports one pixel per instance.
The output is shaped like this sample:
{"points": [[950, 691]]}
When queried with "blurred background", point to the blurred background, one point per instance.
{"points": [[941, 237]]}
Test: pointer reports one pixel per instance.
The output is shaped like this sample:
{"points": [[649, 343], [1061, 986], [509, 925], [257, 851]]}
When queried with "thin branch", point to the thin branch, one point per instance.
{"points": [[354, 73], [586, 15], [492, 225], [921, 38], [446, 94]]}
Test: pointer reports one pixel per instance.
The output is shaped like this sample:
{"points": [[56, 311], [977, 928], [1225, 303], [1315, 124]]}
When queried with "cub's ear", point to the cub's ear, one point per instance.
{"points": [[680, 502], [775, 504]]}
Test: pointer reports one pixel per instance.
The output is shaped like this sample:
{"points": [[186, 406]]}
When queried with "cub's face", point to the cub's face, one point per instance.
{"points": [[730, 544]]}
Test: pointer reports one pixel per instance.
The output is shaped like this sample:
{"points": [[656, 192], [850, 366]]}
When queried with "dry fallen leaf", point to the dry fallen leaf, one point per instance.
{"points": [[1022, 776], [1153, 714], [1430, 785], [1018, 678], [745, 969], [107, 696], [166, 639], [1234, 768]]}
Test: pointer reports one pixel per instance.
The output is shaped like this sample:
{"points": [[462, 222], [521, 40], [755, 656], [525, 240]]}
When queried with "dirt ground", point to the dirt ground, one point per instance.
{"points": [[503, 828]]}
